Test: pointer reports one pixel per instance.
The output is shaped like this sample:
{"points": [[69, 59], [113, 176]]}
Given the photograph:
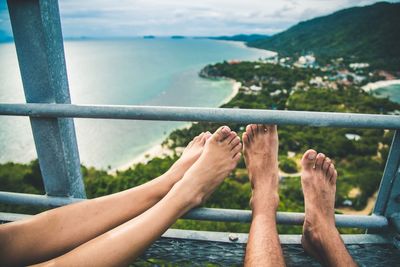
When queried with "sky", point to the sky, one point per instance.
{"points": [[125, 18]]}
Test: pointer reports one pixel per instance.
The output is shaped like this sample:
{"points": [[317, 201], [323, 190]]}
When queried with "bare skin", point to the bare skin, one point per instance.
{"points": [[64, 232], [320, 237], [261, 157], [121, 245]]}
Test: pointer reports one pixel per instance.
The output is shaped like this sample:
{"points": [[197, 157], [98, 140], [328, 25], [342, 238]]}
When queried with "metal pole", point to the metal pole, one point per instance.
{"points": [[39, 44], [220, 115], [207, 214], [388, 200]]}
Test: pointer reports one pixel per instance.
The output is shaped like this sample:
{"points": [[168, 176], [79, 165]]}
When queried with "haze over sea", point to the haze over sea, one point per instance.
{"points": [[157, 71]]}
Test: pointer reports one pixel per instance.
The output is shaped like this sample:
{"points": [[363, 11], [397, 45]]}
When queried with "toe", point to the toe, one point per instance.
{"points": [[325, 165], [232, 136], [249, 132], [332, 174], [199, 137], [260, 128], [319, 161], [308, 159], [254, 129], [235, 141], [263, 129], [205, 137], [190, 144], [236, 149], [221, 134], [236, 158], [271, 128], [245, 138]]}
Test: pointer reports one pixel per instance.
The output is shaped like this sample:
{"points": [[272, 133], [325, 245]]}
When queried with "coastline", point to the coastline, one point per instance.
{"points": [[235, 90], [160, 151], [146, 156], [379, 84], [242, 44]]}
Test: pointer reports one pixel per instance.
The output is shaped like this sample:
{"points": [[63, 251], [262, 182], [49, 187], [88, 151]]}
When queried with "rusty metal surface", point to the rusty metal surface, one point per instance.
{"points": [[181, 252]]}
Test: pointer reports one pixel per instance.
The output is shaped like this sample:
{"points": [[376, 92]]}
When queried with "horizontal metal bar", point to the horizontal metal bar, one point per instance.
{"points": [[36, 200], [207, 214], [12, 217], [287, 218], [284, 239], [230, 237], [221, 115]]}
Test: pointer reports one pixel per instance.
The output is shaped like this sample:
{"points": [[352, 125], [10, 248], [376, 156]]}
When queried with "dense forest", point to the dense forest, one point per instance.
{"points": [[241, 37], [370, 33]]}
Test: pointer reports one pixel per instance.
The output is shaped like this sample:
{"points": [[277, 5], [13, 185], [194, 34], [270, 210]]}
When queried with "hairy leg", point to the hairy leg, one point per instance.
{"points": [[55, 232], [261, 156], [121, 245], [320, 237]]}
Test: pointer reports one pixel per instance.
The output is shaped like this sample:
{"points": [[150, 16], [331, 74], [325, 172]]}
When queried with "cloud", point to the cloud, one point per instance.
{"points": [[104, 18]]}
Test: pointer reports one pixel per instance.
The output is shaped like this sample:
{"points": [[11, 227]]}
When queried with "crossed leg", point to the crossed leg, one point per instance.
{"points": [[53, 233], [62, 229], [121, 245]]}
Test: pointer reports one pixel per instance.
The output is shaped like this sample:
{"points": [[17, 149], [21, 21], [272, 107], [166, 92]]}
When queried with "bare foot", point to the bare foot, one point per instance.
{"points": [[189, 156], [260, 144], [220, 156], [318, 180]]}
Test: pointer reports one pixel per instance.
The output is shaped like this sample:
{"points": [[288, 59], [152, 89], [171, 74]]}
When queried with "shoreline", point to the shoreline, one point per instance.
{"points": [[160, 151], [379, 84], [155, 151], [235, 90]]}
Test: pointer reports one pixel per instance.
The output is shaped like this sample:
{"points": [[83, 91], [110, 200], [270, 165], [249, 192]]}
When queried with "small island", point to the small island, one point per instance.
{"points": [[177, 37]]}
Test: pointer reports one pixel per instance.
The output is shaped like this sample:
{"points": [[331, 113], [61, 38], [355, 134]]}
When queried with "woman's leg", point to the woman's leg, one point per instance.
{"points": [[121, 245], [55, 232]]}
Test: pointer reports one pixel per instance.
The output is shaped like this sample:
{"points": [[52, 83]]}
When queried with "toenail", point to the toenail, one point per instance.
{"points": [[311, 156]]}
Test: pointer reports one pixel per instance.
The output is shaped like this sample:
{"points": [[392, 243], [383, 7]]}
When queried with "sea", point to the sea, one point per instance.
{"points": [[390, 91], [158, 71]]}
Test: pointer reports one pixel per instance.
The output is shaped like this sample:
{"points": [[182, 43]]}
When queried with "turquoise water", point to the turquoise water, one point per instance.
{"points": [[391, 91], [123, 72]]}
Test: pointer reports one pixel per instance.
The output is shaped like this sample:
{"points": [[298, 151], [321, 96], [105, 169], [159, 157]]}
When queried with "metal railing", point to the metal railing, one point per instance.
{"points": [[38, 39]]}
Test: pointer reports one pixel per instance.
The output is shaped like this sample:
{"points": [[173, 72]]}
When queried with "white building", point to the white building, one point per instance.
{"points": [[255, 88]]}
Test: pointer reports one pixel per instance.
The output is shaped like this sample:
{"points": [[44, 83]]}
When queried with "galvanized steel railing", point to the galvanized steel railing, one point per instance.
{"points": [[38, 39]]}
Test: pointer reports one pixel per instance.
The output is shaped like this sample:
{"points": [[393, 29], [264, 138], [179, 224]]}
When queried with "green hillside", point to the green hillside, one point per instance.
{"points": [[370, 33], [241, 37]]}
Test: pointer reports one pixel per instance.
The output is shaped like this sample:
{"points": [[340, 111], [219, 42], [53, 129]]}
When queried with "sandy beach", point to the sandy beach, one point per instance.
{"points": [[159, 150], [235, 90], [155, 151], [379, 84]]}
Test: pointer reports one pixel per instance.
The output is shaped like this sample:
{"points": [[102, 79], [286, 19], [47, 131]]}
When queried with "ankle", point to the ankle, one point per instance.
{"points": [[264, 201], [264, 180], [191, 197], [320, 234]]}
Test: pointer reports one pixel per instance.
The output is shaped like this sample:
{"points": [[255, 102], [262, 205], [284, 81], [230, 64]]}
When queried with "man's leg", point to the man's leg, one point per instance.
{"points": [[261, 156], [53, 233], [121, 245], [320, 237]]}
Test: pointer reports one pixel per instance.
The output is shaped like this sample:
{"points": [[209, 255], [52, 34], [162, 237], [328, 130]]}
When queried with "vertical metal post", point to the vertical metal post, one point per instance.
{"points": [[388, 201], [38, 39]]}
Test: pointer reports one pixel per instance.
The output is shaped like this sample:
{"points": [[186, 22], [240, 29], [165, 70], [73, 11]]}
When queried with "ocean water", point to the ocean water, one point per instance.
{"points": [[122, 72], [391, 91]]}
